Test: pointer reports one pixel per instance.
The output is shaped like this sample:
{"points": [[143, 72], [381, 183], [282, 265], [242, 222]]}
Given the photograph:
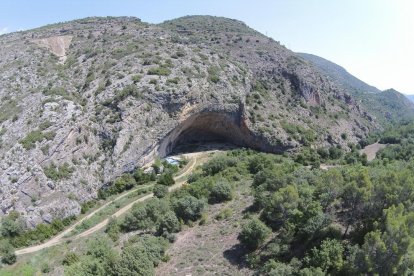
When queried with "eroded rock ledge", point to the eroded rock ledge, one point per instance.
{"points": [[216, 124]]}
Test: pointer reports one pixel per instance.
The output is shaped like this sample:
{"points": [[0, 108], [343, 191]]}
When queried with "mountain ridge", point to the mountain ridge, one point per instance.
{"points": [[387, 106]]}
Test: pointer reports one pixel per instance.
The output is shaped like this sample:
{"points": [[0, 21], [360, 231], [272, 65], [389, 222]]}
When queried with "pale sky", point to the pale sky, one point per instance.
{"points": [[372, 39]]}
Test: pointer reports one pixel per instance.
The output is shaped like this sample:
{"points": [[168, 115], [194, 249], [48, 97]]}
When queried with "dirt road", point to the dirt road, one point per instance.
{"points": [[60, 238]]}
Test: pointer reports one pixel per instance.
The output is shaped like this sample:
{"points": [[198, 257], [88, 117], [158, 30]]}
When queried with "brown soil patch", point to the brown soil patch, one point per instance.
{"points": [[371, 150], [56, 44]]}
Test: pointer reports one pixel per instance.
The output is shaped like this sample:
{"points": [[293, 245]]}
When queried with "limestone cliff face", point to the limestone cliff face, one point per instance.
{"points": [[84, 101]]}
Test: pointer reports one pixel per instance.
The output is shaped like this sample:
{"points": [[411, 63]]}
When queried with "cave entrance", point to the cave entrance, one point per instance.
{"points": [[208, 130]]}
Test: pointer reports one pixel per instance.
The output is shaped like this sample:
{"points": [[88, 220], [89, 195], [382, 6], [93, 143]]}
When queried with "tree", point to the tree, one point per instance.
{"points": [[220, 192], [253, 233], [384, 252], [134, 262], [169, 223], [356, 195], [329, 257], [145, 217], [113, 229], [11, 226], [160, 190], [166, 179], [188, 208], [7, 253], [283, 207], [125, 182]]}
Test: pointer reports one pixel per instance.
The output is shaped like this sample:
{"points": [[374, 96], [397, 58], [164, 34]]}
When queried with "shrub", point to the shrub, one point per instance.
{"points": [[29, 142], [134, 262], [70, 258], [329, 257], [220, 192], [7, 253], [11, 226], [160, 71], [113, 229], [169, 223], [166, 179], [125, 182], [218, 164], [253, 233], [160, 190], [188, 208], [136, 78], [58, 173], [224, 214], [213, 74]]}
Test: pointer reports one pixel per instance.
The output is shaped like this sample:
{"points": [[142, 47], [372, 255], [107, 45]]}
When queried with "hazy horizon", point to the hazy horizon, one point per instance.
{"points": [[371, 39]]}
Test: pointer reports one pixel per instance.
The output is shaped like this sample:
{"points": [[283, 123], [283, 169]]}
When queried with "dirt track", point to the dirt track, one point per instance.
{"points": [[60, 238]]}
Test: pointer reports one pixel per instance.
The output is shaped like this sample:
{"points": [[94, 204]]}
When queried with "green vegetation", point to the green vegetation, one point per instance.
{"points": [[58, 173], [126, 182], [7, 252], [213, 74], [29, 142], [160, 71], [9, 109], [160, 190], [254, 233], [14, 232], [299, 133]]}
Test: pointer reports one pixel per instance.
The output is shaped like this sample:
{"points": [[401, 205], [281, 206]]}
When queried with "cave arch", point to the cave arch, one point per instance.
{"points": [[214, 126]]}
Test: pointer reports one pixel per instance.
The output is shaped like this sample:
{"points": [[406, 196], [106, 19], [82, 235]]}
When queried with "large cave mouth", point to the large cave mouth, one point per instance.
{"points": [[210, 127]]}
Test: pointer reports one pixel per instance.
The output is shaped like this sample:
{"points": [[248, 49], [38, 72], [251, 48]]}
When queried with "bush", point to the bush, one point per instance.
{"points": [[221, 192], [160, 191], [224, 214], [12, 225], [213, 74], [70, 258], [58, 173], [329, 257], [253, 233], [166, 179], [160, 71], [125, 182], [113, 229], [29, 142], [169, 223], [188, 208], [134, 262], [7, 253], [218, 164]]}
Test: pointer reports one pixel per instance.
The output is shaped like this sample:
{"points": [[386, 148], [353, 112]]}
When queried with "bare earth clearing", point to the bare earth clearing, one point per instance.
{"points": [[371, 150]]}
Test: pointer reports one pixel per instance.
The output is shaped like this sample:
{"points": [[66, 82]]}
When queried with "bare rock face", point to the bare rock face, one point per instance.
{"points": [[85, 101], [58, 45]]}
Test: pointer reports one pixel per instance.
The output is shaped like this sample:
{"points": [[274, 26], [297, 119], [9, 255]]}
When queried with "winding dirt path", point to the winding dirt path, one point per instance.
{"points": [[60, 238]]}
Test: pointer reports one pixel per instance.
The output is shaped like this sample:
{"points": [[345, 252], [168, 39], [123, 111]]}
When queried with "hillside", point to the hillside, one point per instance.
{"points": [[387, 106], [84, 101]]}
